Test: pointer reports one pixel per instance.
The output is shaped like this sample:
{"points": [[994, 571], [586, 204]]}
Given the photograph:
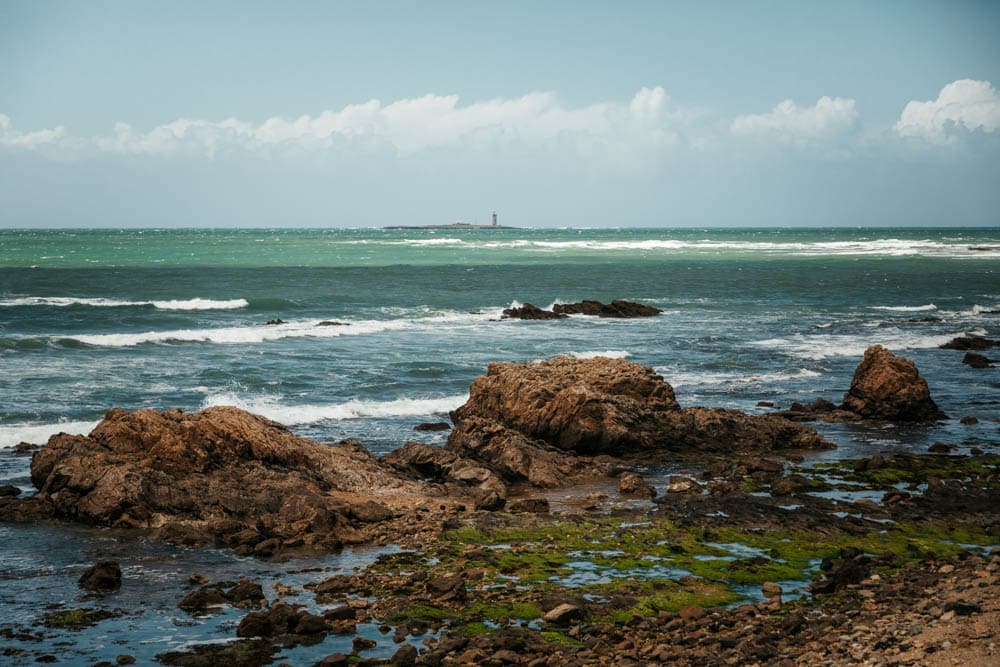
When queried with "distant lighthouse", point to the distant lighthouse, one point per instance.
{"points": [[494, 218]]}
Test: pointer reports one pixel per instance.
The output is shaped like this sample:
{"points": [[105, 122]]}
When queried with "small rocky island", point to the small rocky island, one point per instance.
{"points": [[536, 536]]}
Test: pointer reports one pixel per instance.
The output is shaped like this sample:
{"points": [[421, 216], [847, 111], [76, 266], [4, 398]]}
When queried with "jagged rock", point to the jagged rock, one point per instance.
{"points": [[103, 577], [889, 387], [9, 491], [678, 484], [221, 474], [275, 321], [971, 343], [613, 406], [616, 308], [531, 312], [404, 655], [977, 360], [632, 485]]}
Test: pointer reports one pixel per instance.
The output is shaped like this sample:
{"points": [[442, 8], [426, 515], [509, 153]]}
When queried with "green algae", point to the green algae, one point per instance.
{"points": [[77, 619]]}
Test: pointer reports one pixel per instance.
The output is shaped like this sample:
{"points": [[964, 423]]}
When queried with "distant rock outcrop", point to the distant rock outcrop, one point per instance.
{"points": [[889, 387], [606, 406], [977, 343], [615, 309]]}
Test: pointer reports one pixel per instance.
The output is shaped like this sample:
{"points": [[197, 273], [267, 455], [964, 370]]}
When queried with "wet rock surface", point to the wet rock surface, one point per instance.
{"points": [[101, 578], [616, 309]]}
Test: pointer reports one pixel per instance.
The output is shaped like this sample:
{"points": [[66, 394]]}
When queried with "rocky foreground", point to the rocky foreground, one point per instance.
{"points": [[508, 563]]}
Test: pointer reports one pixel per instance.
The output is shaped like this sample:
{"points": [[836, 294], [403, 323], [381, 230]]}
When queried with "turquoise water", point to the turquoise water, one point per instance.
{"points": [[95, 319]]}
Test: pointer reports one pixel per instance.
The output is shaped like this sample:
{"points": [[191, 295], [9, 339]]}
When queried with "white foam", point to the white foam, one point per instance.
{"points": [[609, 354], [260, 333], [906, 309], [292, 415], [823, 346], [38, 434], [707, 378], [173, 304]]}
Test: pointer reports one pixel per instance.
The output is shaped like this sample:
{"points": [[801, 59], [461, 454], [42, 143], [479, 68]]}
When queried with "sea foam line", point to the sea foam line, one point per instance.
{"points": [[38, 434], [294, 415], [906, 309], [260, 333], [824, 346], [171, 304]]}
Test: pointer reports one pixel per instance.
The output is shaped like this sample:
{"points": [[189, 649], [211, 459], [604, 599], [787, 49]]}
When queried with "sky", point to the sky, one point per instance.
{"points": [[356, 114]]}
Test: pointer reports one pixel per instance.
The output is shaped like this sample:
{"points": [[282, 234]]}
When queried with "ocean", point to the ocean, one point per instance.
{"points": [[91, 320]]}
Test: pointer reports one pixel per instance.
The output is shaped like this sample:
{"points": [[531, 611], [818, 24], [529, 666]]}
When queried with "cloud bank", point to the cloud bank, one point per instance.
{"points": [[649, 123], [961, 105]]}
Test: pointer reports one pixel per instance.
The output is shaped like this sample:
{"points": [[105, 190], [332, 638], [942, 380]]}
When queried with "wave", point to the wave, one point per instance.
{"points": [[172, 304], [38, 434], [906, 309], [260, 333], [817, 347], [609, 354], [294, 415], [707, 378]]}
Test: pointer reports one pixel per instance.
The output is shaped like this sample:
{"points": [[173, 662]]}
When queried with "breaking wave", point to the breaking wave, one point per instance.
{"points": [[172, 304], [814, 347], [38, 434], [295, 415]]}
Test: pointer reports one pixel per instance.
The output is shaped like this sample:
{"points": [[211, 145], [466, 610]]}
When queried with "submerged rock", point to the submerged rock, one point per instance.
{"points": [[102, 578], [977, 360], [889, 387], [978, 343], [605, 406], [531, 312]]}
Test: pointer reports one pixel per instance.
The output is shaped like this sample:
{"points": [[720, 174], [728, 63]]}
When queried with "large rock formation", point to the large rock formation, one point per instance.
{"points": [[221, 474], [606, 406], [889, 387]]}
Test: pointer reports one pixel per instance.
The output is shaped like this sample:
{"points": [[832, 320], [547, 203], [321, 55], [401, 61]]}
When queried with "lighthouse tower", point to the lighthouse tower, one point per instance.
{"points": [[494, 218]]}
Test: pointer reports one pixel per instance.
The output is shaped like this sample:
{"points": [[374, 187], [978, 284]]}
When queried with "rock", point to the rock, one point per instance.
{"points": [[849, 567], [275, 321], [310, 624], [333, 323], [970, 343], [448, 587], [362, 644], [968, 420], [104, 577], [691, 612], [940, 448], [771, 590], [563, 614], [334, 660], [601, 406], [765, 404], [246, 593], [342, 613], [977, 360], [9, 491], [615, 309], [124, 660], [529, 506], [678, 484], [963, 607], [531, 312], [222, 475], [634, 486], [404, 655], [889, 387], [432, 426], [25, 449]]}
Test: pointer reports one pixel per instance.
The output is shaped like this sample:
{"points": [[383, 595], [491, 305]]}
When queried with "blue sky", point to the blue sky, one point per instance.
{"points": [[554, 113]]}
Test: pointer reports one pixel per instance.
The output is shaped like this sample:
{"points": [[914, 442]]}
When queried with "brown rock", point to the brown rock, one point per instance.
{"points": [[221, 474], [563, 614], [632, 485], [432, 426], [529, 506], [613, 406], [678, 484], [691, 612], [9, 491], [889, 387], [103, 577], [969, 420]]}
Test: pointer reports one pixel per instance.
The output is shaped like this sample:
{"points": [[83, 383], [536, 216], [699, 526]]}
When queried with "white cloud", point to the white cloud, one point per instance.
{"points": [[30, 140], [412, 125], [826, 120], [974, 105]]}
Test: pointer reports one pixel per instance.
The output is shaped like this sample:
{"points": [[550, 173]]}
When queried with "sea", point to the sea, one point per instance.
{"points": [[161, 318]]}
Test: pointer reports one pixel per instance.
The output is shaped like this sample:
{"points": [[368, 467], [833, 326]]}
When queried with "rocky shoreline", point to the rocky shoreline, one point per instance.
{"points": [[532, 537]]}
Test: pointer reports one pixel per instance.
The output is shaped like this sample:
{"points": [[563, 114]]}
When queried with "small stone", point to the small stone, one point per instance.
{"points": [[563, 614], [946, 569], [362, 644], [771, 590], [947, 616], [691, 612]]}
